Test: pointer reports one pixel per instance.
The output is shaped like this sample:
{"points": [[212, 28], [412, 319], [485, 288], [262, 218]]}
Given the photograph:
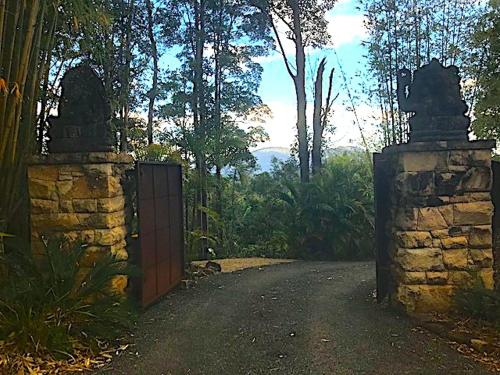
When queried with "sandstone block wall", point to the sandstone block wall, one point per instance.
{"points": [[81, 198], [440, 227]]}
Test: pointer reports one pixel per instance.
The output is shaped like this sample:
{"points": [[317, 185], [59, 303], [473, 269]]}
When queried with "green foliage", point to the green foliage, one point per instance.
{"points": [[274, 215], [479, 302], [332, 217], [159, 153], [487, 108], [410, 35], [58, 303]]}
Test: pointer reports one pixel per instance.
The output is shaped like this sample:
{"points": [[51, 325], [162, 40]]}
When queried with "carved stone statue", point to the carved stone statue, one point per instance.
{"points": [[83, 121], [434, 97]]}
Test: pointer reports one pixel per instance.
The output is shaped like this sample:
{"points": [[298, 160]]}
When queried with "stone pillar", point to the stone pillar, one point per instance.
{"points": [[80, 197], [440, 220]]}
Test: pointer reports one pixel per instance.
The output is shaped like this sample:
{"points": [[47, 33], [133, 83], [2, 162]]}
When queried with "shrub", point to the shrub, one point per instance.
{"points": [[332, 216], [57, 304], [479, 302], [275, 215]]}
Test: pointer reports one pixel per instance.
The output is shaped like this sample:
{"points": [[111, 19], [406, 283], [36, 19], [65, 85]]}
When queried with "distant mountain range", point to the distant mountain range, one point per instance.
{"points": [[266, 155]]}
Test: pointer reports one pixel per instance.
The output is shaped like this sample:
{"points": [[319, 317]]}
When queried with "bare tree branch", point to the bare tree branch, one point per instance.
{"points": [[282, 49]]}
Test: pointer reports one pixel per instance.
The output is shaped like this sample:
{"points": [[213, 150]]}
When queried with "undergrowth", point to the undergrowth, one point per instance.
{"points": [[479, 302], [61, 302]]}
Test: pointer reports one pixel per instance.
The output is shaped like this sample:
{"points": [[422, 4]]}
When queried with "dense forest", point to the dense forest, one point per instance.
{"points": [[183, 79]]}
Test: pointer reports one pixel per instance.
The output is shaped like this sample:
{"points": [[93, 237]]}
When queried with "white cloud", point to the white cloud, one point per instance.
{"points": [[345, 28], [282, 126], [269, 58]]}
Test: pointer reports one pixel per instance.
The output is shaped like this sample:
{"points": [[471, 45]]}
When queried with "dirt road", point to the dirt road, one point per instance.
{"points": [[298, 318]]}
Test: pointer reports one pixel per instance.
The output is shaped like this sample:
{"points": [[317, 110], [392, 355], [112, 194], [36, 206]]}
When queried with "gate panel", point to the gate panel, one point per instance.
{"points": [[495, 198], [382, 199], [161, 238]]}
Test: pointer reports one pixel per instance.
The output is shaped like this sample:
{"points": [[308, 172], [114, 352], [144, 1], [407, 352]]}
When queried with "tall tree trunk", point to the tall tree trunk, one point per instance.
{"points": [[218, 47], [317, 123], [154, 54], [300, 92], [199, 121], [126, 79]]}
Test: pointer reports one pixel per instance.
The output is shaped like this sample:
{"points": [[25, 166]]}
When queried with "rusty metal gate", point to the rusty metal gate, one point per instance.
{"points": [[160, 228], [382, 199], [495, 197]]}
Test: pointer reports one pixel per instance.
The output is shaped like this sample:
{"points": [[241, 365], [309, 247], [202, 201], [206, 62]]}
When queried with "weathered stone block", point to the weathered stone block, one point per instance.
{"points": [[482, 257], [42, 189], [90, 187], [440, 233], [481, 237], [454, 242], [101, 220], [426, 259], [43, 172], [432, 218], [405, 218], [415, 183], [467, 197], [111, 204], [65, 177], [114, 186], [477, 180], [425, 298], [487, 277], [437, 278], [470, 158], [448, 183], [102, 169], [44, 206], [474, 213], [413, 278], [63, 187], [84, 236], [120, 250], [423, 161], [85, 205], [66, 206], [456, 259], [414, 239], [112, 236], [460, 278], [55, 222], [119, 284], [86, 188], [481, 157], [459, 231]]}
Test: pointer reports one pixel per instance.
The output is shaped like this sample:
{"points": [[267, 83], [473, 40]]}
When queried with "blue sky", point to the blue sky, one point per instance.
{"points": [[277, 91], [345, 25]]}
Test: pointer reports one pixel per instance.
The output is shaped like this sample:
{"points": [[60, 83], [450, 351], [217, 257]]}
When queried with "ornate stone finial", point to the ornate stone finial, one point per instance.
{"points": [[434, 97], [83, 121]]}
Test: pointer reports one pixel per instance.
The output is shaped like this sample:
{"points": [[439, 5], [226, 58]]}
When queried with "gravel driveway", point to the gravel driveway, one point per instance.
{"points": [[296, 318]]}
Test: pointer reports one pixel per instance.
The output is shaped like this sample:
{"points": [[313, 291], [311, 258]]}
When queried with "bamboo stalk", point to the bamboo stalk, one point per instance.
{"points": [[22, 71], [44, 76], [32, 87], [3, 4], [5, 64], [10, 61], [14, 96]]}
